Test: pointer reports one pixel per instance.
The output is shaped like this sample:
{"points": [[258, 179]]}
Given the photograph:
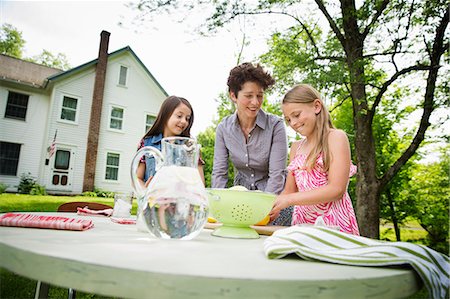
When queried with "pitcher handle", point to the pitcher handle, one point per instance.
{"points": [[138, 188]]}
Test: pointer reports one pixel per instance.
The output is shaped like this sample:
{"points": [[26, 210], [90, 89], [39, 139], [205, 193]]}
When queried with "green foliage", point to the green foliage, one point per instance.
{"points": [[27, 182], [207, 140], [429, 189], [89, 194], [28, 185], [3, 188], [11, 41], [38, 190], [225, 107], [46, 58], [99, 193]]}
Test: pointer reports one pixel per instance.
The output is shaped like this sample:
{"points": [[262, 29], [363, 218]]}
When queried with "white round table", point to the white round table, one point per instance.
{"points": [[117, 260]]}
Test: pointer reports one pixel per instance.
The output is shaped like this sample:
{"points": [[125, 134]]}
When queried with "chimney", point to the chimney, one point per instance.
{"points": [[96, 113]]}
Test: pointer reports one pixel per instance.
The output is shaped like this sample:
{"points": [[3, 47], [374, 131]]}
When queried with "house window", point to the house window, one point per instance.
{"points": [[116, 118], [9, 158], [150, 120], [69, 109], [112, 166], [17, 104], [123, 75]]}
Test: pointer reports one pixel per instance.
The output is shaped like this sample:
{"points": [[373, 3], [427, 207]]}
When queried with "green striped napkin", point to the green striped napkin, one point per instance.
{"points": [[328, 245]]}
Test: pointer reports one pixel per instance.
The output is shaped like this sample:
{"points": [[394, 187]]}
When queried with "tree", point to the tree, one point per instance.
{"points": [[11, 41], [429, 188], [12, 44], [362, 54], [46, 58]]}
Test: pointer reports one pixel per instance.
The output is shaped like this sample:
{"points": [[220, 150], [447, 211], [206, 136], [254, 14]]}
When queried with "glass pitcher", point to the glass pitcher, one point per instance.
{"points": [[175, 203]]}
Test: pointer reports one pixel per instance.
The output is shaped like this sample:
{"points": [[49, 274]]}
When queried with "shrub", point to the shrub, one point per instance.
{"points": [[99, 193], [38, 190], [27, 181], [89, 194], [3, 188]]}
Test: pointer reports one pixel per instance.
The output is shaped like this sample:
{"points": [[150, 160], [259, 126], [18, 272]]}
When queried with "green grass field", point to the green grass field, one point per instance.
{"points": [[13, 286]]}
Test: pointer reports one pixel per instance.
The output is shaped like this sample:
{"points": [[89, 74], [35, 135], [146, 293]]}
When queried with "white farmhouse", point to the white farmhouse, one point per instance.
{"points": [[94, 115]]}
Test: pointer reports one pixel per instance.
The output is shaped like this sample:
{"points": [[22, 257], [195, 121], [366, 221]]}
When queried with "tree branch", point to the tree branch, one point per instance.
{"points": [[340, 103], [428, 105], [378, 13], [384, 87], [311, 38], [333, 25]]}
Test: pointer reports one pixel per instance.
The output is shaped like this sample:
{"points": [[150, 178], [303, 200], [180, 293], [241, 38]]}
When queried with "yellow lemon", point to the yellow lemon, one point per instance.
{"points": [[264, 221], [211, 220]]}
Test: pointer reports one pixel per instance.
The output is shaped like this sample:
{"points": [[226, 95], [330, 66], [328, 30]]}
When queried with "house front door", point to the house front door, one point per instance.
{"points": [[61, 173]]}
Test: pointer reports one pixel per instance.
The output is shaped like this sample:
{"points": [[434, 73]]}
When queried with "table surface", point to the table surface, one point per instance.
{"points": [[118, 260]]}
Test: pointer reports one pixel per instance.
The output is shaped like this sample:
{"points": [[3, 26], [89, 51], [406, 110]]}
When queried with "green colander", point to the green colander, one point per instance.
{"points": [[237, 210]]}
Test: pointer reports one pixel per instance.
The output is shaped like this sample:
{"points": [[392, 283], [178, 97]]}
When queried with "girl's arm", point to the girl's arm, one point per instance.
{"points": [[277, 160], [202, 174], [219, 176], [141, 173], [338, 176], [290, 186]]}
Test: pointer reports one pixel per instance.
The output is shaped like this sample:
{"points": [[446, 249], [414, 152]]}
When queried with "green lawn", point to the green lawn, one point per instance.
{"points": [[14, 286]]}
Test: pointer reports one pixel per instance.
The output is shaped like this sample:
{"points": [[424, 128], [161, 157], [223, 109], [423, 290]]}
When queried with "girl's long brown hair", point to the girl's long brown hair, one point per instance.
{"points": [[165, 112], [304, 93]]}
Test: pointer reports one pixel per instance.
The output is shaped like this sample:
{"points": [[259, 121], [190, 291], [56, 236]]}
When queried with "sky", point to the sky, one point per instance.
{"points": [[183, 62]]}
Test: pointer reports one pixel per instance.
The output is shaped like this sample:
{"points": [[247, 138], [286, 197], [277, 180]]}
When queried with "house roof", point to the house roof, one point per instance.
{"points": [[25, 72], [36, 75], [82, 67]]}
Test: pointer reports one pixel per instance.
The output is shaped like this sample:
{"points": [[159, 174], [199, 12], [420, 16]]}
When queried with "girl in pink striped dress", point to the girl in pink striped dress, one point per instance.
{"points": [[320, 165]]}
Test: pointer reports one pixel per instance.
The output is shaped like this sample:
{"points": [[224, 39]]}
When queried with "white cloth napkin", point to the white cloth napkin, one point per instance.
{"points": [[328, 245]]}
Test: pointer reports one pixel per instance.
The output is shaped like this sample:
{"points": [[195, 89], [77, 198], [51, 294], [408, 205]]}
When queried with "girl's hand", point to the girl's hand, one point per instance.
{"points": [[280, 203]]}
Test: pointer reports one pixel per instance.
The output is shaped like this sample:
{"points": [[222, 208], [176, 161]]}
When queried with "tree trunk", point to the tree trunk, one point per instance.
{"points": [[393, 215], [367, 184]]}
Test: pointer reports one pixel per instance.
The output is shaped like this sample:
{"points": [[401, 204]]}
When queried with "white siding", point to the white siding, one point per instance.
{"points": [[140, 97], [73, 135], [29, 133]]}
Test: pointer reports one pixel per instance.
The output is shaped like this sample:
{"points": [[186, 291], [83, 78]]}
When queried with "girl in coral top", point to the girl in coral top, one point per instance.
{"points": [[320, 165]]}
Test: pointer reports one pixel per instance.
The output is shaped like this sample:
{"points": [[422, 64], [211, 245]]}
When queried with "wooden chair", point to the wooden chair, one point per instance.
{"points": [[73, 205], [42, 288]]}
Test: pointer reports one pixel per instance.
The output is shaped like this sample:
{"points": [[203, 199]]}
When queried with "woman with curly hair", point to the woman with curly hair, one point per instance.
{"points": [[254, 141]]}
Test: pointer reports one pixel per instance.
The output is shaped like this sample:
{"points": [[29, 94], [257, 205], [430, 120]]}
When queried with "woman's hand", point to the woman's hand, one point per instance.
{"points": [[281, 202]]}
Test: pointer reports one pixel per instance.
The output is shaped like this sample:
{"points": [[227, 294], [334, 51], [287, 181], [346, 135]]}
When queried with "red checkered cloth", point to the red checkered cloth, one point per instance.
{"points": [[88, 212], [40, 221]]}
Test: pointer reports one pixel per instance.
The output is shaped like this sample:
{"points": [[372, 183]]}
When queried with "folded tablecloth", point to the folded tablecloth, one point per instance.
{"points": [[41, 221], [88, 212], [328, 245]]}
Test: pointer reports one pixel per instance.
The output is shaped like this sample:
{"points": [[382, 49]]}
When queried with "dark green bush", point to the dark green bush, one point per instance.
{"points": [[3, 188], [27, 182], [38, 190]]}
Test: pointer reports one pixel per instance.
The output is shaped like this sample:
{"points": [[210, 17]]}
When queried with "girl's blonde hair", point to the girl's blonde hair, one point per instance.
{"points": [[304, 93]]}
